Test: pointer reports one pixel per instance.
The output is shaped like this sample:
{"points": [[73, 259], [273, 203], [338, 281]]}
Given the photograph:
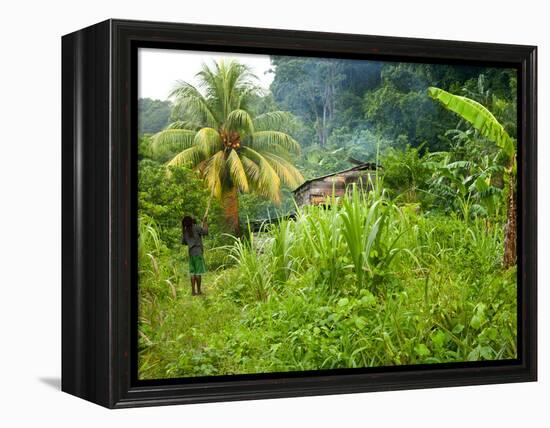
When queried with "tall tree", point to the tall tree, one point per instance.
{"points": [[218, 135], [309, 86], [489, 127]]}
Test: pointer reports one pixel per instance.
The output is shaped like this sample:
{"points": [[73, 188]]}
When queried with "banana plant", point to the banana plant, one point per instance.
{"points": [[489, 127], [465, 185]]}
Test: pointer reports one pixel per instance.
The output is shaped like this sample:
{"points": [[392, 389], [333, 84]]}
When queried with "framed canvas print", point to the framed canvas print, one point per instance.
{"points": [[253, 213]]}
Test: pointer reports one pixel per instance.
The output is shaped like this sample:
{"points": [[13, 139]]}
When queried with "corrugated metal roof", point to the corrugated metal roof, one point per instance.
{"points": [[367, 165]]}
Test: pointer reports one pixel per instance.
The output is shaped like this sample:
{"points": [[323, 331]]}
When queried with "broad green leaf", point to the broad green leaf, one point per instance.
{"points": [[439, 339], [476, 321], [360, 322], [343, 302], [368, 300], [422, 350], [478, 116]]}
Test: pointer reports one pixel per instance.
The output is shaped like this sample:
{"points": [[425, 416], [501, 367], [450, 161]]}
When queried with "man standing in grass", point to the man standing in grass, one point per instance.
{"points": [[192, 235]]}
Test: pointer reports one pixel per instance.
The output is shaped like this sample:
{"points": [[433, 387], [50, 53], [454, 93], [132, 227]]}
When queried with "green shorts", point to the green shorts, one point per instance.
{"points": [[196, 265]]}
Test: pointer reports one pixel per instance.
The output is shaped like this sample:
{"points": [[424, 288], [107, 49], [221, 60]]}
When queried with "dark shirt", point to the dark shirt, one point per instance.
{"points": [[194, 240]]}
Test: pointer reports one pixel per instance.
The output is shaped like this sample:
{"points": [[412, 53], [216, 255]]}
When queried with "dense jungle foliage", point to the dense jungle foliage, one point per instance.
{"points": [[411, 270]]}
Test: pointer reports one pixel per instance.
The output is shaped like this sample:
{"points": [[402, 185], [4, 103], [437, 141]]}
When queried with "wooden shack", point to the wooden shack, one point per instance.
{"points": [[316, 190]]}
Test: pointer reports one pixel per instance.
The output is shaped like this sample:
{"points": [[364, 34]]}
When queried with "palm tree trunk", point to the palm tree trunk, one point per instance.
{"points": [[511, 227], [230, 207]]}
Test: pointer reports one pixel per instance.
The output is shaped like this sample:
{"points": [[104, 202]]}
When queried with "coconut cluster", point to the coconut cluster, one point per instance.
{"points": [[230, 139]]}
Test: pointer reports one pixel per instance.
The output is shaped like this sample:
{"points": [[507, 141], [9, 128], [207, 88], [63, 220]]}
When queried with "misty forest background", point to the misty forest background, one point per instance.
{"points": [[413, 271]]}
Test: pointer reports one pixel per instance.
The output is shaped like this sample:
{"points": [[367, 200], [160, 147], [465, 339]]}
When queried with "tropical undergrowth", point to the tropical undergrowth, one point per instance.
{"points": [[357, 282]]}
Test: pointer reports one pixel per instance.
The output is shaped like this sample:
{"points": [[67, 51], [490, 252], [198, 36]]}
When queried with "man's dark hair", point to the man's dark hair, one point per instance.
{"points": [[187, 223]]}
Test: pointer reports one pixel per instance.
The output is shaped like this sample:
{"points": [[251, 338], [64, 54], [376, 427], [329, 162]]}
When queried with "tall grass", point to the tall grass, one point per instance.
{"points": [[352, 239], [358, 281], [256, 274]]}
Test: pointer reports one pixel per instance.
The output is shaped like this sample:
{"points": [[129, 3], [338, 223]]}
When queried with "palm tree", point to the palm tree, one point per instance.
{"points": [[489, 127], [218, 135]]}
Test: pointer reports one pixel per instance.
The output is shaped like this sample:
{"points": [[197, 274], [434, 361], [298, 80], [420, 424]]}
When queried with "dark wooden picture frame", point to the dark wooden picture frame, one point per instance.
{"points": [[99, 274]]}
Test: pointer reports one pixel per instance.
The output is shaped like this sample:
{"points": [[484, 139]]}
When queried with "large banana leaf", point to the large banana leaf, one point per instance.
{"points": [[480, 118]]}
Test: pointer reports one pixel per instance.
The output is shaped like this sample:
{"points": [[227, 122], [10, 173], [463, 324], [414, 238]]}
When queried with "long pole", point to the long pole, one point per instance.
{"points": [[207, 208]]}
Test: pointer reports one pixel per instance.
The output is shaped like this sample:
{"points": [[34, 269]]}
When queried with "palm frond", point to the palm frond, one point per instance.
{"points": [[183, 124], [238, 82], [189, 101], [237, 171], [231, 72], [268, 183], [175, 139], [252, 171], [273, 120], [211, 82], [287, 172], [208, 139], [274, 141], [240, 120], [213, 173], [190, 157], [248, 95], [225, 84]]}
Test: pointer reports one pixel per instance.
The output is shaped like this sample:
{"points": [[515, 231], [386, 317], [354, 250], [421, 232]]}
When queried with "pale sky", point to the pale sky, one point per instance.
{"points": [[159, 69]]}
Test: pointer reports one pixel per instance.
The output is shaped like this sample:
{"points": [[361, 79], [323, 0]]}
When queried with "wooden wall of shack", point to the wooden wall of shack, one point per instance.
{"points": [[315, 192]]}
